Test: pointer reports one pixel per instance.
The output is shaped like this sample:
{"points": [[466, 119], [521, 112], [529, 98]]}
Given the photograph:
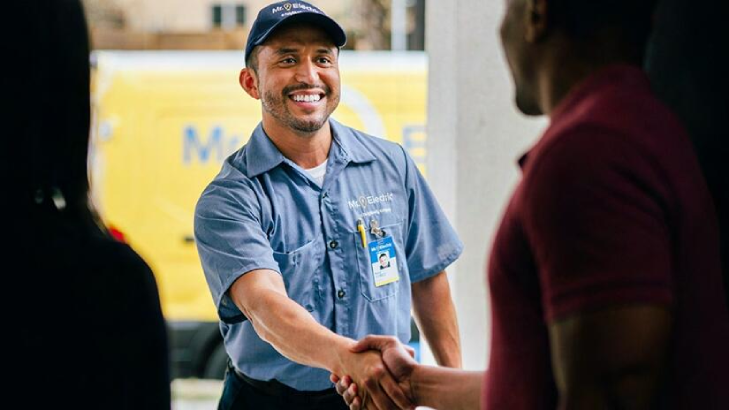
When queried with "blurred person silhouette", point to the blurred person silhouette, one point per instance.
{"points": [[605, 273], [87, 331], [687, 76]]}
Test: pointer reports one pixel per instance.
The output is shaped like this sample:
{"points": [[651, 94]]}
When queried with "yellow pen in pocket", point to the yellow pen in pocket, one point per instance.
{"points": [[362, 232]]}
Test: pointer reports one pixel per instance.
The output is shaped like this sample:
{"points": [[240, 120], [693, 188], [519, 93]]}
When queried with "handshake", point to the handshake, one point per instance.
{"points": [[378, 375]]}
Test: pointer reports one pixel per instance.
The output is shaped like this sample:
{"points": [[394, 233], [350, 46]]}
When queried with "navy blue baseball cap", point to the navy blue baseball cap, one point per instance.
{"points": [[276, 14]]}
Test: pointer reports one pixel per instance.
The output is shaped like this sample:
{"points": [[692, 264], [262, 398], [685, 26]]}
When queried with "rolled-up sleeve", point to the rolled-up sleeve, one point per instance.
{"points": [[431, 244], [230, 241]]}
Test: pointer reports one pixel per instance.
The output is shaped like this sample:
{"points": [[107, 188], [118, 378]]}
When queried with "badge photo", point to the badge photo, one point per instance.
{"points": [[384, 261]]}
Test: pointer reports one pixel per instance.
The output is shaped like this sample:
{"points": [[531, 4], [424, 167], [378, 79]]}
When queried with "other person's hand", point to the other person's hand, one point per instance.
{"points": [[398, 359], [375, 387]]}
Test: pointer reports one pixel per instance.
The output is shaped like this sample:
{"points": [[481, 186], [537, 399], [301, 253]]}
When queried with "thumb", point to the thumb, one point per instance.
{"points": [[410, 350], [372, 342]]}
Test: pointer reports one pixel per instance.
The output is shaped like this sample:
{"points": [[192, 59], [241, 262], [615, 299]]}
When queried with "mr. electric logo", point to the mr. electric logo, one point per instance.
{"points": [[363, 201], [298, 8]]}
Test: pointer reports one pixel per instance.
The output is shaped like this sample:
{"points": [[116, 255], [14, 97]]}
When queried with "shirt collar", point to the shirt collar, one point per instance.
{"points": [[262, 155]]}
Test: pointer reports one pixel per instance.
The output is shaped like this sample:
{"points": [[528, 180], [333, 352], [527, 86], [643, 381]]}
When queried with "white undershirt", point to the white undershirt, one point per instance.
{"points": [[318, 172]]}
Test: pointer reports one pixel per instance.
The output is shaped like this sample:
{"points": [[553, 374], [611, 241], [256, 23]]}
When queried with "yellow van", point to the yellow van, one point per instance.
{"points": [[163, 123]]}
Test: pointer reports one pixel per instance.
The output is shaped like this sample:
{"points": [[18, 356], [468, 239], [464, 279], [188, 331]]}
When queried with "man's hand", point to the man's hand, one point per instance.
{"points": [[400, 364], [376, 387]]}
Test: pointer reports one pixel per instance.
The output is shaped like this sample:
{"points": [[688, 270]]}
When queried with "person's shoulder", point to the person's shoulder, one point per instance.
{"points": [[618, 124], [234, 168], [108, 254], [611, 115], [96, 268], [626, 106], [230, 186]]}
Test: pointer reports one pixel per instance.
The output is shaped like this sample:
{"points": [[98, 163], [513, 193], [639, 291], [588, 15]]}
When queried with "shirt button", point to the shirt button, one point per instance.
{"points": [[325, 195], [333, 244], [341, 293]]}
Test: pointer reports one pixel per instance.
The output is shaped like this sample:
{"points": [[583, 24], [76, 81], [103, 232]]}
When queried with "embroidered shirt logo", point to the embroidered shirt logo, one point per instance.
{"points": [[364, 200]]}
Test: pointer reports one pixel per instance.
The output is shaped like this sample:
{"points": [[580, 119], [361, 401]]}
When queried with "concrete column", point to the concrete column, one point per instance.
{"points": [[398, 25], [475, 136]]}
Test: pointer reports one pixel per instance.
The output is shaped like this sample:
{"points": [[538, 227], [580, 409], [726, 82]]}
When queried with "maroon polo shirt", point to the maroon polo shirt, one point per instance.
{"points": [[612, 209]]}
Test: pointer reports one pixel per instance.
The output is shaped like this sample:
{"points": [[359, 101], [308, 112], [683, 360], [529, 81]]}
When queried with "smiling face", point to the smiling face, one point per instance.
{"points": [[296, 79]]}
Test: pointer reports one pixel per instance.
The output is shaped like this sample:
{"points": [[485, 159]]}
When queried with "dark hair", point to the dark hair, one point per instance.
{"points": [[252, 61], [50, 116], [586, 18]]}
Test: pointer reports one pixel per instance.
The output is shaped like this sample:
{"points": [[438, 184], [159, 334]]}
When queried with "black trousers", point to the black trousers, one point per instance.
{"points": [[243, 393]]}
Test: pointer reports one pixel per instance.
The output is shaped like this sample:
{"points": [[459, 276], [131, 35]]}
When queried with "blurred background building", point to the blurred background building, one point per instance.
{"points": [[224, 25]]}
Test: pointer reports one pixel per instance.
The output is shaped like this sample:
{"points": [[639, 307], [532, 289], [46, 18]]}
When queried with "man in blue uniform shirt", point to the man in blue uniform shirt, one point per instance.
{"points": [[291, 229]]}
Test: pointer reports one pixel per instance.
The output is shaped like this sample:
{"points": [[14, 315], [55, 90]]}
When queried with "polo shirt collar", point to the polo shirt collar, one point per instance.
{"points": [[262, 155]]}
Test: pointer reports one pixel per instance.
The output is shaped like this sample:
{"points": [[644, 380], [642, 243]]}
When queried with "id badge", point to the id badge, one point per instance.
{"points": [[384, 261]]}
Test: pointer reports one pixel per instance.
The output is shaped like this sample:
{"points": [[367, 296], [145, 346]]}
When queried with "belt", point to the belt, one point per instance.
{"points": [[276, 388]]}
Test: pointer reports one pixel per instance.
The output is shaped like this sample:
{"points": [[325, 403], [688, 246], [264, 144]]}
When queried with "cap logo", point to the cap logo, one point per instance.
{"points": [[294, 8]]}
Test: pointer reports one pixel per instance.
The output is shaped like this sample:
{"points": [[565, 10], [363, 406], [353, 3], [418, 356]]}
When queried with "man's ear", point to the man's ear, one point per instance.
{"points": [[537, 21], [249, 81]]}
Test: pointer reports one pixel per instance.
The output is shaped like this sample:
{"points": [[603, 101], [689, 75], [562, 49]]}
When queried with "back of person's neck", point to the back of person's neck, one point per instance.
{"points": [[572, 62]]}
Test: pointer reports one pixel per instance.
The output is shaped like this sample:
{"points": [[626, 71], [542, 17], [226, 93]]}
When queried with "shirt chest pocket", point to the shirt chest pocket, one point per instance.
{"points": [[301, 269], [366, 271]]}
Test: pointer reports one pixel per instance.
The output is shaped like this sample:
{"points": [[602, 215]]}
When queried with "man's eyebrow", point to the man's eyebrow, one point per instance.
{"points": [[289, 50], [286, 50]]}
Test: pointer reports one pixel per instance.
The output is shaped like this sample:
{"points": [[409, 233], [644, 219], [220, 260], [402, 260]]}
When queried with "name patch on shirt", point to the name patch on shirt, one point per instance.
{"points": [[384, 261]]}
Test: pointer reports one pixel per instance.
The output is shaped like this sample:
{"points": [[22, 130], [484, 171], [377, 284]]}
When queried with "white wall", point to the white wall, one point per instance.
{"points": [[475, 136]]}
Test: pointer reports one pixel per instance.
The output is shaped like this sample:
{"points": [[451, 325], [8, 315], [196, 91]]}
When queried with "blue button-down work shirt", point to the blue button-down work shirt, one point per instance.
{"points": [[263, 211]]}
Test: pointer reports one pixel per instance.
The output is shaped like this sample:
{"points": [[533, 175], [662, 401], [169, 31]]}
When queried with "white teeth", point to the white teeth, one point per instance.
{"points": [[306, 97]]}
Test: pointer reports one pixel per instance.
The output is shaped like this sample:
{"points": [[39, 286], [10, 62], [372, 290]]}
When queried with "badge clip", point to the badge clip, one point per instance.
{"points": [[375, 229]]}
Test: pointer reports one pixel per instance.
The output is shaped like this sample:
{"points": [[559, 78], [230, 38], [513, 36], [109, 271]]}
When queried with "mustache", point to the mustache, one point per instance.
{"points": [[305, 86]]}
